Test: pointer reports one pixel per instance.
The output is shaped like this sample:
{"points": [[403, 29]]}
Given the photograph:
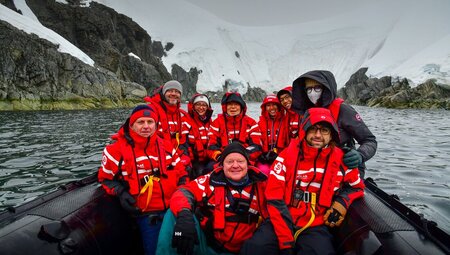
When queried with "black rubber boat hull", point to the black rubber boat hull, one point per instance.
{"points": [[79, 218]]}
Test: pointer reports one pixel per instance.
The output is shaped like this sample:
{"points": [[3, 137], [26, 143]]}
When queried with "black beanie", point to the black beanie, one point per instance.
{"points": [[233, 147]]}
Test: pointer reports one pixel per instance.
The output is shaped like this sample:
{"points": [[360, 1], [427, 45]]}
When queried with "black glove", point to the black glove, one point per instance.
{"points": [[184, 234], [183, 180], [126, 200], [271, 156], [352, 158], [262, 158]]}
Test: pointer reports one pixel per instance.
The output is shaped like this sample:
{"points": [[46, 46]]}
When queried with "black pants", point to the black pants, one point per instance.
{"points": [[314, 240]]}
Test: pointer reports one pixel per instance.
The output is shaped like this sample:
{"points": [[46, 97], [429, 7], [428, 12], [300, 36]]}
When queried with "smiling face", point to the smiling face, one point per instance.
{"points": [[233, 108], [144, 126], [173, 96], [235, 166], [286, 100], [200, 108], [318, 136], [272, 109]]}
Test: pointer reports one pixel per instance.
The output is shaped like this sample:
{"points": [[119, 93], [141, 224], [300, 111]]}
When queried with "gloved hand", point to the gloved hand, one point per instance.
{"points": [[184, 234], [185, 160], [335, 214], [288, 251], [126, 200], [216, 156], [262, 158], [271, 156], [183, 180], [352, 158]]}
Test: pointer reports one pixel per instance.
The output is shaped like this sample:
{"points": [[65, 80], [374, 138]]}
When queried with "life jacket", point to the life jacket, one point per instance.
{"points": [[274, 131], [169, 128], [150, 171], [334, 108]]}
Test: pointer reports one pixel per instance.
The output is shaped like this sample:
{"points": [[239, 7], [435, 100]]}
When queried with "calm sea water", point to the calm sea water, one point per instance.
{"points": [[40, 150]]}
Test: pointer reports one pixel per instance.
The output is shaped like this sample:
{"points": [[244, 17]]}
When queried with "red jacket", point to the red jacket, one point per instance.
{"points": [[226, 129], [170, 119], [150, 157], [293, 122], [307, 170], [211, 194], [195, 133], [274, 131]]}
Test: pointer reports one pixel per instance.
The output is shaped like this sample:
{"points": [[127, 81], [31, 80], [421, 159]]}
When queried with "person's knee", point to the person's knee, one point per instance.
{"points": [[263, 241]]}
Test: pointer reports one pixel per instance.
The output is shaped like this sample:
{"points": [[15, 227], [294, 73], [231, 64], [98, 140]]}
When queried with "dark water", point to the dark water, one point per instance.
{"points": [[39, 150]]}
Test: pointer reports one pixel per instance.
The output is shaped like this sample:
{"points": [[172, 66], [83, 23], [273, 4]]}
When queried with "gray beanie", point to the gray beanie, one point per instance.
{"points": [[172, 85]]}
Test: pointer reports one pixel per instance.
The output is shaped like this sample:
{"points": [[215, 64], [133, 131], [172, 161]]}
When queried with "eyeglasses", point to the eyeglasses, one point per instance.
{"points": [[317, 88], [323, 130]]}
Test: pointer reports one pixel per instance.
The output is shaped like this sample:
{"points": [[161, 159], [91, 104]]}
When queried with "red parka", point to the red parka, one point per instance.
{"points": [[195, 132], [313, 172], [151, 167], [274, 130], [292, 119], [170, 119], [216, 202], [225, 129]]}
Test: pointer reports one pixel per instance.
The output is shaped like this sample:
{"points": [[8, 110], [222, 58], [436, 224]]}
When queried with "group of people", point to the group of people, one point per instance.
{"points": [[233, 185]]}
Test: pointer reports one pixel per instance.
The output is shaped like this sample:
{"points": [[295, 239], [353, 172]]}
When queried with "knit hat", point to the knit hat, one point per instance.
{"points": [[233, 147], [201, 98], [143, 110], [172, 85]]}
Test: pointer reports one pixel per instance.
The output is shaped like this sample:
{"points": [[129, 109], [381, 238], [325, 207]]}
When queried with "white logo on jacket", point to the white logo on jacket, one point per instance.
{"points": [[278, 167]]}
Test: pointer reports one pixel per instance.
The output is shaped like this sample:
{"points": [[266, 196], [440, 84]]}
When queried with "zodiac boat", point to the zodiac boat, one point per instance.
{"points": [[80, 218]]}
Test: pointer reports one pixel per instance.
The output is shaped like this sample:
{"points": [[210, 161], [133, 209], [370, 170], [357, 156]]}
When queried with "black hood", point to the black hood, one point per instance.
{"points": [[301, 102]]}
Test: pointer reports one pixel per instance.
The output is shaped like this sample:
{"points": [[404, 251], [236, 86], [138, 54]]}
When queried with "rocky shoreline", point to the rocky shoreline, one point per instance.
{"points": [[394, 93]]}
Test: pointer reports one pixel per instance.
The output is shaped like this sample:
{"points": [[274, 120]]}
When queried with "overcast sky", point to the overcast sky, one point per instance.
{"points": [[275, 12]]}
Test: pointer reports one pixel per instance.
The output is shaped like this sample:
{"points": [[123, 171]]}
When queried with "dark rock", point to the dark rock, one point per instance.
{"points": [[254, 94], [107, 37], [10, 4], [383, 92], [187, 79], [33, 72]]}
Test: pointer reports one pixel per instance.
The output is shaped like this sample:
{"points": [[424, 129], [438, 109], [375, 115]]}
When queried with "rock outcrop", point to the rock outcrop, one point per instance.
{"points": [[34, 75], [108, 38], [384, 92]]}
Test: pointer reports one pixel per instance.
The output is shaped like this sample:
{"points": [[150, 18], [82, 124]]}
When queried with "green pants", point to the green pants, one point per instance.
{"points": [[165, 238]]}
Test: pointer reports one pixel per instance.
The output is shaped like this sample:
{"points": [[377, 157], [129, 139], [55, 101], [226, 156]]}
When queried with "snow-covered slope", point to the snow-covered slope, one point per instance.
{"points": [[400, 38], [30, 24], [406, 38]]}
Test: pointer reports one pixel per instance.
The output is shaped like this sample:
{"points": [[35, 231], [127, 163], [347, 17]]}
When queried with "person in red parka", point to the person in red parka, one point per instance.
{"points": [[166, 101], [293, 118], [227, 203], [309, 190], [234, 125], [195, 134], [143, 171], [274, 132]]}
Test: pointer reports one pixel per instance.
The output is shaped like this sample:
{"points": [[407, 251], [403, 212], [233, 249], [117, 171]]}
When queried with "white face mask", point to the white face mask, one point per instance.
{"points": [[314, 95]]}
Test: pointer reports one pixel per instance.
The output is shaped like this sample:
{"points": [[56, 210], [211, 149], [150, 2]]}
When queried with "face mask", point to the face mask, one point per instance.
{"points": [[314, 95]]}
